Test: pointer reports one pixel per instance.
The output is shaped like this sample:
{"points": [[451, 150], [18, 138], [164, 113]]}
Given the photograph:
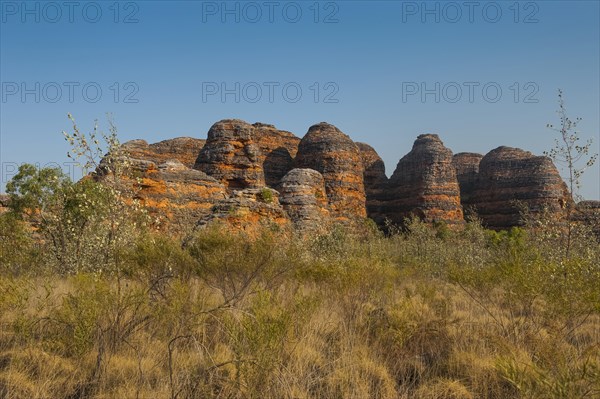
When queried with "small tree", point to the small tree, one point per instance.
{"points": [[569, 153]]}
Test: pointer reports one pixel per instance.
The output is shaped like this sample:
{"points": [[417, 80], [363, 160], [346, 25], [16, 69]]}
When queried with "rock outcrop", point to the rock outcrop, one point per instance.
{"points": [[509, 179], [245, 210], [326, 177], [303, 197], [278, 149], [241, 155], [375, 180], [184, 149], [332, 153], [171, 192], [424, 184], [231, 155], [467, 170]]}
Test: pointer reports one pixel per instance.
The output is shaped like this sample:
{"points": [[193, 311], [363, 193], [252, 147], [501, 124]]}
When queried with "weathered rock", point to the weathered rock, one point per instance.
{"points": [[278, 149], [375, 180], [332, 153], [303, 197], [242, 156], [171, 192], [509, 179], [467, 169], [184, 149], [246, 210], [232, 156], [424, 184]]}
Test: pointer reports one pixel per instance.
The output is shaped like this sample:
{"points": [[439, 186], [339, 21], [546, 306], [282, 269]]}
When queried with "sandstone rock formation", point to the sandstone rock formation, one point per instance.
{"points": [[509, 177], [424, 184], [232, 156], [467, 170], [184, 149], [170, 191], [332, 153], [246, 210], [236, 170], [278, 149], [303, 197], [374, 178], [242, 156]]}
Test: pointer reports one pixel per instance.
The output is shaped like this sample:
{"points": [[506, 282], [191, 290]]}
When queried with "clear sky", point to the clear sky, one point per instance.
{"points": [[381, 71]]}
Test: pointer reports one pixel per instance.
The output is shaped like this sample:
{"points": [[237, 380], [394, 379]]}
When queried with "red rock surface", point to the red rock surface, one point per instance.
{"points": [[424, 184], [332, 153], [509, 178], [241, 155], [246, 210], [184, 149]]}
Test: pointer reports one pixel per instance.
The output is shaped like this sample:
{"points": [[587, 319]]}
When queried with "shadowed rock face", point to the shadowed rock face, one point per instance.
{"points": [[278, 149], [424, 184], [374, 178], [509, 176], [332, 153], [241, 155], [303, 197], [467, 169], [184, 149]]}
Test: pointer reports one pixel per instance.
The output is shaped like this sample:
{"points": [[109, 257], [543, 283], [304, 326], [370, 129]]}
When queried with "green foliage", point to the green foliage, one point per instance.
{"points": [[266, 195]]}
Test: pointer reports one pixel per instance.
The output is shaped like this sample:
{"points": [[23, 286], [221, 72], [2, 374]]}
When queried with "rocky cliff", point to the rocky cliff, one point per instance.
{"points": [[510, 179], [244, 174], [424, 184], [332, 153]]}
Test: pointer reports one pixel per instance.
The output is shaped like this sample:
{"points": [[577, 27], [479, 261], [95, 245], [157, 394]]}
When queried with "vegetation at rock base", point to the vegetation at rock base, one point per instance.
{"points": [[344, 313]]}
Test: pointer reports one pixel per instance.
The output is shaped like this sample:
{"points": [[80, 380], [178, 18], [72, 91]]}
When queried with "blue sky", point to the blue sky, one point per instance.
{"points": [[374, 69]]}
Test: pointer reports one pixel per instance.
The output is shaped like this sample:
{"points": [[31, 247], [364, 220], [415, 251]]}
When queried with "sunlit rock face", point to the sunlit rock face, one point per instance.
{"points": [[241, 155], [332, 153], [424, 185]]}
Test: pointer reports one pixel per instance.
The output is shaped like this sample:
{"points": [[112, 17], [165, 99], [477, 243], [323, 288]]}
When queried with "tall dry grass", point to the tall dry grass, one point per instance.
{"points": [[349, 313]]}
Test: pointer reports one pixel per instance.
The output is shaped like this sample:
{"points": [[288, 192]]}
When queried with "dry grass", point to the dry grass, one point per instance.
{"points": [[337, 315]]}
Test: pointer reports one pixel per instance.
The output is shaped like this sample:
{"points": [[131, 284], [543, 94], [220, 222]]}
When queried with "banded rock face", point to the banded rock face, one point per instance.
{"points": [[332, 153], [241, 155], [467, 170], [303, 197], [232, 156], [509, 177], [184, 149], [170, 191], [424, 184], [246, 210], [375, 180]]}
